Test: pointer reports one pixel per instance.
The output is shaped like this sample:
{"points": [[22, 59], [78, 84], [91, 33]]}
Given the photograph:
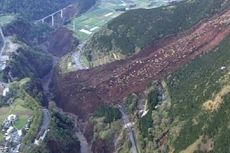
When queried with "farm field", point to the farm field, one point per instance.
{"points": [[90, 22]]}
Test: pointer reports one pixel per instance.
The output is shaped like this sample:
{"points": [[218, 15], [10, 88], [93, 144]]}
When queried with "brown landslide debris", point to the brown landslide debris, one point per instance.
{"points": [[82, 91]]}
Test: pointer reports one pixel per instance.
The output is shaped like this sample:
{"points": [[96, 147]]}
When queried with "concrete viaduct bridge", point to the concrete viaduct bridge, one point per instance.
{"points": [[52, 15]]}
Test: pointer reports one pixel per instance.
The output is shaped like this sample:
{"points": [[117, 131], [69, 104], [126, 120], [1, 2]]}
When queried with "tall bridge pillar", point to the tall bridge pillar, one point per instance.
{"points": [[62, 13], [52, 18]]}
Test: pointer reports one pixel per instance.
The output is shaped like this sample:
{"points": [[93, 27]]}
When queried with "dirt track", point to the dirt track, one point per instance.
{"points": [[82, 91]]}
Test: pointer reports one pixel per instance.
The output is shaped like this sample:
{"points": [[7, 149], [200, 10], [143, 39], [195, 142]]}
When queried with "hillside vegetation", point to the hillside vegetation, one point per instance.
{"points": [[61, 137], [194, 117], [131, 31], [191, 88], [25, 58], [34, 10], [25, 31], [27, 62]]}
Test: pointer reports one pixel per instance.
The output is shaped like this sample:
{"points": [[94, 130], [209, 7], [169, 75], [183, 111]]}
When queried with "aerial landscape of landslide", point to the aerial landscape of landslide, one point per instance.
{"points": [[105, 76], [83, 91]]}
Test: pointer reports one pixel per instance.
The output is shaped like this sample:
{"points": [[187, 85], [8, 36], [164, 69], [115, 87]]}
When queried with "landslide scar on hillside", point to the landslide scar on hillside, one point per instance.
{"points": [[110, 83]]}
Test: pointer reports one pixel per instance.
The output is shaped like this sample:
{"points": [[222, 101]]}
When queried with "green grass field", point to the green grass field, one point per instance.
{"points": [[100, 15], [21, 121], [6, 19], [19, 109]]}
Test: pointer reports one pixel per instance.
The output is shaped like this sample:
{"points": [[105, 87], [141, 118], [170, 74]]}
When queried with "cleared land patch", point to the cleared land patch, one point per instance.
{"points": [[6, 19], [193, 147], [213, 105]]}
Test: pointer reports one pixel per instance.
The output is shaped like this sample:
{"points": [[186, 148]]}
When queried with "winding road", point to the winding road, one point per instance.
{"points": [[128, 126], [85, 147], [83, 142], [76, 57], [44, 127], [4, 41], [45, 119]]}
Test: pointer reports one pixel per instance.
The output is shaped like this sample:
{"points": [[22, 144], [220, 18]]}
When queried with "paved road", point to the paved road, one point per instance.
{"points": [[83, 142], [85, 147], [76, 57], [44, 127], [4, 41], [45, 121], [128, 126]]}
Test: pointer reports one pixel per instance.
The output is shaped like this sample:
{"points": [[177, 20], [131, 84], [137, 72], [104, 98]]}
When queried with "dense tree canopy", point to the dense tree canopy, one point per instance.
{"points": [[33, 10]]}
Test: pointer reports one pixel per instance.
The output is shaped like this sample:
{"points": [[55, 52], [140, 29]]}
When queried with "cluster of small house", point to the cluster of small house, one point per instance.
{"points": [[12, 136], [4, 89], [3, 61], [5, 94]]}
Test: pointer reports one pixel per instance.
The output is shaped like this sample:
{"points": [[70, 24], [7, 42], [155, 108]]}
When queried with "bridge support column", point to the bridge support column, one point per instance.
{"points": [[52, 22], [62, 13]]}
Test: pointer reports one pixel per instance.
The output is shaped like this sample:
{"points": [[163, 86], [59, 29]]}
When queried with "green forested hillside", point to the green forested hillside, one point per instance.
{"points": [[195, 115], [36, 9], [191, 88], [27, 62], [133, 30], [61, 137], [25, 31], [25, 58]]}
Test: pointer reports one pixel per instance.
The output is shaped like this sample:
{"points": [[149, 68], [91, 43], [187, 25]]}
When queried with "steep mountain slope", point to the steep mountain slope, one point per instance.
{"points": [[26, 32], [199, 102], [130, 32], [112, 82], [193, 115], [21, 55], [34, 10], [26, 65], [27, 62], [171, 96], [188, 115]]}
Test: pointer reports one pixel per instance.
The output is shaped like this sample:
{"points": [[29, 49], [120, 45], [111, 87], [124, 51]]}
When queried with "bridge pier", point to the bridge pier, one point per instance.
{"points": [[62, 13], [52, 18]]}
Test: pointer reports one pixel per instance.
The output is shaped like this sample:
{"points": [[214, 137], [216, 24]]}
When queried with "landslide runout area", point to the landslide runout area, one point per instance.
{"points": [[82, 91]]}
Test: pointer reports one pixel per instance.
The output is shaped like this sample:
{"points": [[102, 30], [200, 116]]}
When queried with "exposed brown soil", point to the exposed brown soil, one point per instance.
{"points": [[101, 146], [56, 147], [82, 91], [215, 103], [207, 146], [61, 42]]}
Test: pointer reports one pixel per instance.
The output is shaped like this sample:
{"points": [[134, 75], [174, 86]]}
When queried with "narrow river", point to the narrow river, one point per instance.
{"points": [[47, 80]]}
